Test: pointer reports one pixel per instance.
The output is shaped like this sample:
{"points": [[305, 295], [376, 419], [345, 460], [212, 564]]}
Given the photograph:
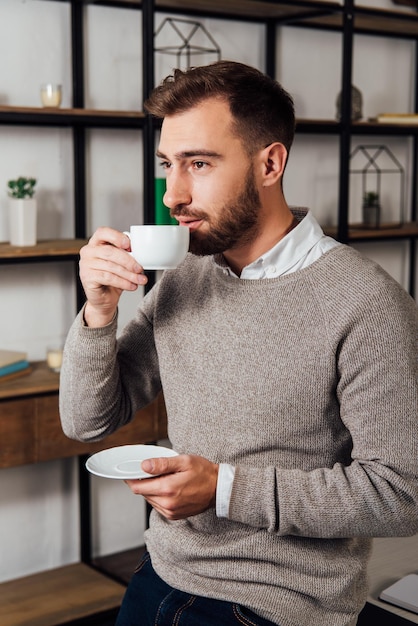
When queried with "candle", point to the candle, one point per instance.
{"points": [[54, 359], [51, 95]]}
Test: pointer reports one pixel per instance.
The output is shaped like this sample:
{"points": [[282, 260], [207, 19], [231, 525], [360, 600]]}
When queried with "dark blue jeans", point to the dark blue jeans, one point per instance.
{"points": [[149, 601]]}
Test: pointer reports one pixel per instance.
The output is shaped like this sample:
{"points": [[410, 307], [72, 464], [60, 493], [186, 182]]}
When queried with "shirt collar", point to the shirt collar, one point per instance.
{"points": [[284, 254]]}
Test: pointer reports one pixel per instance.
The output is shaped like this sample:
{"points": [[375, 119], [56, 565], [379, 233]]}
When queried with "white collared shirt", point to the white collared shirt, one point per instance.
{"points": [[303, 245]]}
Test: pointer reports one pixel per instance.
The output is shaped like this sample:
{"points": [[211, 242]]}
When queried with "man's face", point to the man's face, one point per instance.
{"points": [[211, 185]]}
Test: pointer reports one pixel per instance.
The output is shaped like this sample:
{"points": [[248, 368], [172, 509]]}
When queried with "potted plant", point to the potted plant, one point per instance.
{"points": [[22, 212], [371, 209]]}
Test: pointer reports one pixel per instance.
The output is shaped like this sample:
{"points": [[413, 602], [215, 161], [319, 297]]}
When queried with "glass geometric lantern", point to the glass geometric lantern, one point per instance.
{"points": [[184, 39], [377, 187]]}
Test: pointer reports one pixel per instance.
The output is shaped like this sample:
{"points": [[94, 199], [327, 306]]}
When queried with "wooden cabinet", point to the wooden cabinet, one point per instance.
{"points": [[30, 428], [30, 431], [17, 432]]}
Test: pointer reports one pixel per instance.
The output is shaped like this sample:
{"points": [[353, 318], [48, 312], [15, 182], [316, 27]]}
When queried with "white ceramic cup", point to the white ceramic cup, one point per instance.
{"points": [[51, 95], [159, 247]]}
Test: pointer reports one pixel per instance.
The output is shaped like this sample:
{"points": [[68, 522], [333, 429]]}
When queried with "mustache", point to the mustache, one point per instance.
{"points": [[180, 211]]}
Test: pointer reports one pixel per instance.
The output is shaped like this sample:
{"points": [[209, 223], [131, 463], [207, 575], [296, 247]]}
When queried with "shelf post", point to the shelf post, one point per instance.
{"points": [[270, 48], [84, 487], [77, 32], [148, 10], [148, 84], [414, 191], [79, 160], [345, 142]]}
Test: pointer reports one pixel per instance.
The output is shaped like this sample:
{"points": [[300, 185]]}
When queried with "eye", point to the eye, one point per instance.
{"points": [[165, 165], [199, 165]]}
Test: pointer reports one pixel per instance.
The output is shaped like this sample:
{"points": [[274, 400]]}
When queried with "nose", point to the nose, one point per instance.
{"points": [[177, 190]]}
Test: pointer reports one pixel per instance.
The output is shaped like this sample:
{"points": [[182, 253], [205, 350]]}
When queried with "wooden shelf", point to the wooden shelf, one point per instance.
{"points": [[121, 565], [70, 117], [371, 21], [55, 249], [311, 13], [359, 233], [40, 380], [252, 9], [372, 127], [75, 112], [327, 15], [58, 596], [38, 116]]}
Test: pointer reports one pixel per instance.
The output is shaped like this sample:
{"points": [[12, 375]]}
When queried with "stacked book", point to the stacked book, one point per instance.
{"points": [[13, 364], [396, 118]]}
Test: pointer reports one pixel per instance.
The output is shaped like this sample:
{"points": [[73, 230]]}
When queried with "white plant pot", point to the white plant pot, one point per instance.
{"points": [[22, 222]]}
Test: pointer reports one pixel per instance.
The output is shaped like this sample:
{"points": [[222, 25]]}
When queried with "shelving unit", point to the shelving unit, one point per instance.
{"points": [[47, 250], [345, 18], [30, 433]]}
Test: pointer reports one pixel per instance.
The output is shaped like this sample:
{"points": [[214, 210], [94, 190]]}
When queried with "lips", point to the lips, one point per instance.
{"points": [[192, 224]]}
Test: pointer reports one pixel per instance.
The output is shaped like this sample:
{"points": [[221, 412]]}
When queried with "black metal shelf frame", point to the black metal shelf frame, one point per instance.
{"points": [[69, 118], [51, 258], [345, 18]]}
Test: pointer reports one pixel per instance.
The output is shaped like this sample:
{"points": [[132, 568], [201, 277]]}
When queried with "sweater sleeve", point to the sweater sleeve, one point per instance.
{"points": [[105, 380], [376, 493]]}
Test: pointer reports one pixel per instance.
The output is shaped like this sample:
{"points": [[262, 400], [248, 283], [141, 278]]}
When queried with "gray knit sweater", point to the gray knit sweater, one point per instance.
{"points": [[306, 383]]}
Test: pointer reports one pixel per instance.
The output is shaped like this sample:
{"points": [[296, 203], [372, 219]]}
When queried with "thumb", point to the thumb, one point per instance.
{"points": [[160, 465]]}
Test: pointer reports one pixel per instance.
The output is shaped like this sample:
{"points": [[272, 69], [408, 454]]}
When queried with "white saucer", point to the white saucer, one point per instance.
{"points": [[124, 462]]}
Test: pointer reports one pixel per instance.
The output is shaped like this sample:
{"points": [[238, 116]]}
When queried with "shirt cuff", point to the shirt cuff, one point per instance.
{"points": [[224, 488]]}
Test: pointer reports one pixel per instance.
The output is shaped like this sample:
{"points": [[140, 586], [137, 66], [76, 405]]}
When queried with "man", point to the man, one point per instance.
{"points": [[289, 370]]}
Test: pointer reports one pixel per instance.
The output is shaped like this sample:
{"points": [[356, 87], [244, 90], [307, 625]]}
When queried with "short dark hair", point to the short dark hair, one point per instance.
{"points": [[262, 110]]}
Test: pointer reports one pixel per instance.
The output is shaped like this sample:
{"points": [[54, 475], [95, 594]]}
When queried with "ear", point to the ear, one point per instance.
{"points": [[273, 162]]}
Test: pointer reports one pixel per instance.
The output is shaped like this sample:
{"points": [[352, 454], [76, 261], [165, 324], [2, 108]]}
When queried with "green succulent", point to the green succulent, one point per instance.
{"points": [[370, 198], [22, 187]]}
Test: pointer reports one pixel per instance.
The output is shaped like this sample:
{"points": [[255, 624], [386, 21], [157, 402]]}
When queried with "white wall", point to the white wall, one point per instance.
{"points": [[39, 506]]}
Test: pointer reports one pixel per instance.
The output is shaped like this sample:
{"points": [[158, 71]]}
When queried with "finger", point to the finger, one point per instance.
{"points": [[111, 273], [105, 251], [106, 265], [168, 513], [153, 489], [106, 235], [163, 465]]}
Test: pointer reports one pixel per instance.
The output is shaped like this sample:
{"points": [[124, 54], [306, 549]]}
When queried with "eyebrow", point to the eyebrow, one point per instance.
{"points": [[185, 154]]}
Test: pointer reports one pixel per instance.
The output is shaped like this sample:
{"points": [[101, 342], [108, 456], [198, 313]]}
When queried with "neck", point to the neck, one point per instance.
{"points": [[269, 233]]}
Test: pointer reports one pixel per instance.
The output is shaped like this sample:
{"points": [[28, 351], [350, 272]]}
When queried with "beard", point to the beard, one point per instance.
{"points": [[236, 224]]}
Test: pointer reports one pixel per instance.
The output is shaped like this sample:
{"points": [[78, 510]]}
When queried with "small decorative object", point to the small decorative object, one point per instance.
{"points": [[54, 358], [51, 95], [187, 37], [356, 104], [371, 210], [380, 173], [22, 211]]}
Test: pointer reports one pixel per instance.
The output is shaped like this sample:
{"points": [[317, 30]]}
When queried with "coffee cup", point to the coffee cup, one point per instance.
{"points": [[159, 247]]}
